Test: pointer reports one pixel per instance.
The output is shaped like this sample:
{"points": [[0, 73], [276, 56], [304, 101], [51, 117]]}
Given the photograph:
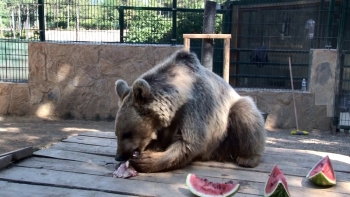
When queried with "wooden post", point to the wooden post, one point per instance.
{"points": [[226, 70], [187, 44], [208, 28], [226, 37]]}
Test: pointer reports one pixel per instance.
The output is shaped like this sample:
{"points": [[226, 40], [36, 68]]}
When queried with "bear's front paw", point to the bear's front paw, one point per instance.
{"points": [[147, 162]]}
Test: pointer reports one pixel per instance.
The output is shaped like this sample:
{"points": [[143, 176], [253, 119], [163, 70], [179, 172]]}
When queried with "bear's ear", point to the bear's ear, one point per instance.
{"points": [[121, 88], [186, 57], [141, 90]]}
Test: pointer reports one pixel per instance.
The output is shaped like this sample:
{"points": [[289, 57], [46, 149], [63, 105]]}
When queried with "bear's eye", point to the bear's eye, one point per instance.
{"points": [[126, 135]]}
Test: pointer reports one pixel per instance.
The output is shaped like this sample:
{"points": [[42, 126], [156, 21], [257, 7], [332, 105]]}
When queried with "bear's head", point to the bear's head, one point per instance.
{"points": [[135, 127]]}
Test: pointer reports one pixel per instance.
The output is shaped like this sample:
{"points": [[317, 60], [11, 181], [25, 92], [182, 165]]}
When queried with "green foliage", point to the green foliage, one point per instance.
{"points": [[148, 27]]}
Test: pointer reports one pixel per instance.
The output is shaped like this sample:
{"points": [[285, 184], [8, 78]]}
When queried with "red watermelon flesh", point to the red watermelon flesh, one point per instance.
{"points": [[203, 187], [322, 173], [325, 166], [276, 184]]}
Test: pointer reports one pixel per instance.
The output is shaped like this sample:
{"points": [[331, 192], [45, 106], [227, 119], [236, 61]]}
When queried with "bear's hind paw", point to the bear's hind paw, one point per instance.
{"points": [[250, 162]]}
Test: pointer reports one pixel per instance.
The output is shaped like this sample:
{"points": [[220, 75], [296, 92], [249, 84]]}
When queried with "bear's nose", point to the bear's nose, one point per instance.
{"points": [[120, 158]]}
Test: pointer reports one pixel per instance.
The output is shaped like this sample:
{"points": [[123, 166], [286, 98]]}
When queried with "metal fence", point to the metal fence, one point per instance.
{"points": [[264, 32], [342, 109], [18, 26]]}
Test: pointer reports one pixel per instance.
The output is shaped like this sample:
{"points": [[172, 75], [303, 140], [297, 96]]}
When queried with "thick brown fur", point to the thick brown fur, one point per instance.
{"points": [[179, 111]]}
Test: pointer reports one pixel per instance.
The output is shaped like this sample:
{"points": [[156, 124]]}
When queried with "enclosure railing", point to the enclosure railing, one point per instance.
{"points": [[264, 32]]}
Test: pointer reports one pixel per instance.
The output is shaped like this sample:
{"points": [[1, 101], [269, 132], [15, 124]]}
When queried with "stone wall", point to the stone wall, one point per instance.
{"points": [[14, 99], [78, 80], [280, 107]]}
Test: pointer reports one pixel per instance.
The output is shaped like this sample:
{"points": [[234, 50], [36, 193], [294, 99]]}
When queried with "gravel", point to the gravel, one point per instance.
{"points": [[323, 141]]}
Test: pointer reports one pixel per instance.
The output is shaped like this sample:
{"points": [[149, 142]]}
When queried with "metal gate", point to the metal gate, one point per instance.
{"points": [[342, 116]]}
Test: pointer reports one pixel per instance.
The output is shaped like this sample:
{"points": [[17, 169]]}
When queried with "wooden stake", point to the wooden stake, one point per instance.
{"points": [[226, 69]]}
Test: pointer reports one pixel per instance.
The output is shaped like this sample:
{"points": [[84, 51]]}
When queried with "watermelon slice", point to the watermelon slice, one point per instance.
{"points": [[276, 185], [322, 173], [203, 187]]}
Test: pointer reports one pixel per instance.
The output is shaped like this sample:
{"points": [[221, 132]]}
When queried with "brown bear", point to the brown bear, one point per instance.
{"points": [[179, 111]]}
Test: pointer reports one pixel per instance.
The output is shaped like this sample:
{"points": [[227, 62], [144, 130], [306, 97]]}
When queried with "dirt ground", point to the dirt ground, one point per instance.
{"points": [[19, 132]]}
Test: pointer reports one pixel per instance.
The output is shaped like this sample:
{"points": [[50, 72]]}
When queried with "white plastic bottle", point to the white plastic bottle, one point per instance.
{"points": [[303, 85]]}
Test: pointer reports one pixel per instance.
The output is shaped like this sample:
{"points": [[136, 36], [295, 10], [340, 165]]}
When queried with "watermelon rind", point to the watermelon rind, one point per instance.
{"points": [[321, 178], [280, 191], [232, 192], [281, 187]]}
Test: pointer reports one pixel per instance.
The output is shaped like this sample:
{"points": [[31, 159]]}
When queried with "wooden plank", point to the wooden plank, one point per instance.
{"points": [[248, 184], [207, 36], [5, 161], [24, 190], [68, 166], [20, 153], [226, 70], [304, 158], [187, 44], [92, 141], [75, 156], [110, 135], [308, 153], [267, 167], [294, 164], [295, 184], [85, 148], [294, 169], [92, 182], [80, 167]]}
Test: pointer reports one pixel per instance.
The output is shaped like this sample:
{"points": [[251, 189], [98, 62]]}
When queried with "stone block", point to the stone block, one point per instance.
{"points": [[19, 102], [322, 78]]}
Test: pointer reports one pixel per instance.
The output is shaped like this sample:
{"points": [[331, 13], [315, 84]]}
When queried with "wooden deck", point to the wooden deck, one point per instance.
{"points": [[82, 166]]}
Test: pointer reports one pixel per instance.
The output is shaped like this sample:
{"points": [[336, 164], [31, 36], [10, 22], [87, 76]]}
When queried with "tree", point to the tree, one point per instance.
{"points": [[148, 27]]}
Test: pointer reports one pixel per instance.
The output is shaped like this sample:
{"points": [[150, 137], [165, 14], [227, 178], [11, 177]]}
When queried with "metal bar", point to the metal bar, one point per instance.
{"points": [[263, 76], [6, 61], [339, 78], [269, 63], [174, 27], [121, 24], [330, 23], [272, 50], [41, 13]]}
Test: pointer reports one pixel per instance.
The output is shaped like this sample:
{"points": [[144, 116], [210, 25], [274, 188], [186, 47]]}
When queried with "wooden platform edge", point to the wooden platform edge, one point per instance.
{"points": [[5, 161], [20, 153]]}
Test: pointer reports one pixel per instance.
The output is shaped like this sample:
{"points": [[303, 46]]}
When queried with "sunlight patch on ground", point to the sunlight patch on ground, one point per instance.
{"points": [[270, 142], [10, 129], [70, 129], [270, 139], [2, 118], [316, 141]]}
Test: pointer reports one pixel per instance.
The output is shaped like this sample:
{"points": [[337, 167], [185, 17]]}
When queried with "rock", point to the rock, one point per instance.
{"points": [[19, 104]]}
